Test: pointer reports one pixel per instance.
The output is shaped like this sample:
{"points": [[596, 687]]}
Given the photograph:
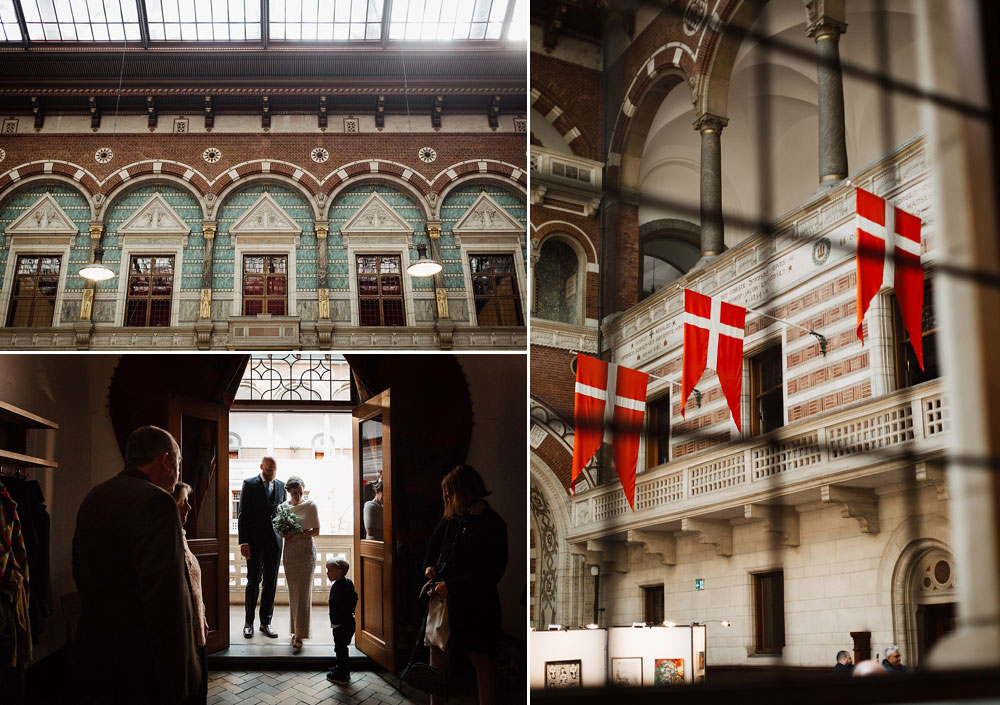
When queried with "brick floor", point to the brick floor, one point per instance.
{"points": [[293, 687]]}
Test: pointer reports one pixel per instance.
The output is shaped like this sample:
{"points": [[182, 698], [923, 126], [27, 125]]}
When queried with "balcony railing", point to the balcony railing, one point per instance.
{"points": [[326, 547], [836, 447]]}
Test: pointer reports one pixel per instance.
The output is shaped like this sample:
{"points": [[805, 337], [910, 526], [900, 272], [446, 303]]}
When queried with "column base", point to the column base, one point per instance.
{"points": [[203, 329], [324, 329], [83, 331], [971, 646], [704, 262], [445, 329]]}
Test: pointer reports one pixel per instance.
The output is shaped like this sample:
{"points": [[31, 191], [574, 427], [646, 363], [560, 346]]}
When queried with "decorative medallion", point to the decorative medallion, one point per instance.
{"points": [[3, 155], [821, 251], [104, 155], [212, 155], [427, 154], [319, 155], [694, 15]]}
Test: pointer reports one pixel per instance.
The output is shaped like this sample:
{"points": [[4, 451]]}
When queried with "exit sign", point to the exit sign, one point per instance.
{"points": [[699, 584]]}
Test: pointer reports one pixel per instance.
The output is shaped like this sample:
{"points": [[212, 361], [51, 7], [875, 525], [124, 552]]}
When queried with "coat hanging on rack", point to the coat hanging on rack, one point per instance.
{"points": [[15, 624], [35, 527]]}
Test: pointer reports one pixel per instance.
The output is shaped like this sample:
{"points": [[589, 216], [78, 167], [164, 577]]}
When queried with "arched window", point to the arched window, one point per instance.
{"points": [[557, 282], [664, 257], [235, 446]]}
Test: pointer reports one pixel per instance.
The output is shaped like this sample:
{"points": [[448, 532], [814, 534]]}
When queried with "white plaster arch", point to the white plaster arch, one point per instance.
{"points": [[250, 179], [566, 225], [377, 178], [124, 188], [61, 178]]}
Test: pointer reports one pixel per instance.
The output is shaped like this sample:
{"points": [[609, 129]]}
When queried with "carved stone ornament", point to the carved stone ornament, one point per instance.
{"points": [[212, 155], [427, 154], [46, 216], [265, 217], [486, 215], [441, 296], [3, 155], [324, 304], [154, 217], [205, 305], [319, 155], [104, 155], [376, 215]]}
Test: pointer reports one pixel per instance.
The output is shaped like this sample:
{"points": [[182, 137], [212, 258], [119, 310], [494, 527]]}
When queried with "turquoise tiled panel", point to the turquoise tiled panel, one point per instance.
{"points": [[347, 205], [557, 263], [76, 207], [454, 207], [185, 205], [294, 204]]}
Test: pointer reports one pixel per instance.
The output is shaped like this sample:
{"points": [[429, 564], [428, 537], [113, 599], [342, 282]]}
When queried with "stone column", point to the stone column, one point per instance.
{"points": [[712, 229], [445, 327], [203, 326], [324, 326], [85, 326], [832, 140]]}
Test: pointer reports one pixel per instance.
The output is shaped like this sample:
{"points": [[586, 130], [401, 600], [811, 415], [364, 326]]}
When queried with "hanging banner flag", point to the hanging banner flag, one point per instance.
{"points": [[713, 338], [608, 407], [889, 257]]}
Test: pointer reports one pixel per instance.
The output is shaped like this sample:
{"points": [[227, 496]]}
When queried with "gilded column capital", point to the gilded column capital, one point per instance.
{"points": [[322, 230], [96, 230], [208, 231], [825, 28], [433, 230], [708, 123]]}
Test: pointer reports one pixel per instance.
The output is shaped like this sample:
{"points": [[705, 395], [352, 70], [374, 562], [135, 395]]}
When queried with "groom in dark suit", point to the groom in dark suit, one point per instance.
{"points": [[259, 543]]}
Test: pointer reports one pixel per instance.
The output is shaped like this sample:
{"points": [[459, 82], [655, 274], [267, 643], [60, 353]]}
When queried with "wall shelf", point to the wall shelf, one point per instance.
{"points": [[15, 425]]}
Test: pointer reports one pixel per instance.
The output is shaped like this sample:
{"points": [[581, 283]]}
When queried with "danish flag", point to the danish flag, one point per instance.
{"points": [[889, 256], [608, 407], [713, 338]]}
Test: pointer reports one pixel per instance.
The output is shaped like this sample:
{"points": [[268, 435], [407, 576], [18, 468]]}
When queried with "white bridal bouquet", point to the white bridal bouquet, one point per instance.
{"points": [[286, 523]]}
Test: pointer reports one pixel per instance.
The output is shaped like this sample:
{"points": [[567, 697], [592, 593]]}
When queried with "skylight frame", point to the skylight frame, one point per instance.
{"points": [[256, 23]]}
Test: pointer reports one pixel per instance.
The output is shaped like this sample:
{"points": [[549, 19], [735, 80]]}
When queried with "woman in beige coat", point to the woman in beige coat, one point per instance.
{"points": [[181, 494], [300, 560]]}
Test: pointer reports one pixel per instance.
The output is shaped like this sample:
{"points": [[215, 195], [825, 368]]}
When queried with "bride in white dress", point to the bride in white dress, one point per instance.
{"points": [[300, 560]]}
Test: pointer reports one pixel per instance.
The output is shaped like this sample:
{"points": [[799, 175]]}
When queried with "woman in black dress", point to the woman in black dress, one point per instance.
{"points": [[466, 558]]}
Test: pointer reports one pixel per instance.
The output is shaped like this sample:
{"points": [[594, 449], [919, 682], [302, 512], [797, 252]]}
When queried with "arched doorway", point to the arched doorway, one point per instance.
{"points": [[924, 598]]}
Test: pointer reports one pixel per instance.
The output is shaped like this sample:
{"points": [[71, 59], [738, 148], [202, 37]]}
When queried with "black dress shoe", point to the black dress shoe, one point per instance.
{"points": [[266, 629], [248, 631]]}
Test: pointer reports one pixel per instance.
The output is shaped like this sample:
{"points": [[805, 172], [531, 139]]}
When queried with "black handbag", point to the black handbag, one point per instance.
{"points": [[422, 676]]}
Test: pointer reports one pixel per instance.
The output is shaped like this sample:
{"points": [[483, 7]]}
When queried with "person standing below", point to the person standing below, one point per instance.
{"points": [[300, 560], [373, 514], [260, 545], [845, 664], [182, 495], [343, 600], [128, 564], [893, 661], [466, 557]]}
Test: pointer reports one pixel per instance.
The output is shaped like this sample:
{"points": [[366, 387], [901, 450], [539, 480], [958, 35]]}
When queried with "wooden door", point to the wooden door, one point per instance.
{"points": [[373, 573], [202, 430]]}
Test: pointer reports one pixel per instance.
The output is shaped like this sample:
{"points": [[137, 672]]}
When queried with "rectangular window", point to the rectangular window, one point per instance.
{"points": [[657, 432], [769, 612], [33, 301], [908, 372], [767, 410], [150, 288], [494, 286], [265, 284], [652, 604], [380, 290]]}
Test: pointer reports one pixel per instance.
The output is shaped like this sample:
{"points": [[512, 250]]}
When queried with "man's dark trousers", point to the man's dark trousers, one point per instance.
{"points": [[264, 561]]}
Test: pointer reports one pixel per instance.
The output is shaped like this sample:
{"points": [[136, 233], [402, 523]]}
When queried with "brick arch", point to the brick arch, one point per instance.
{"points": [[51, 168], [543, 231], [358, 171], [547, 101], [243, 173], [406, 186], [123, 188], [715, 63], [250, 178], [178, 172], [467, 171], [15, 186], [552, 441]]}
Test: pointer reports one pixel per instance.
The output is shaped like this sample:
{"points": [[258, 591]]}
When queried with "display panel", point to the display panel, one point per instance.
{"points": [[666, 652], [586, 647]]}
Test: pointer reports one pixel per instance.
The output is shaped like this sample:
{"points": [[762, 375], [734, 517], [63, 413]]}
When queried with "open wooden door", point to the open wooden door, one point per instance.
{"points": [[373, 573], [202, 430]]}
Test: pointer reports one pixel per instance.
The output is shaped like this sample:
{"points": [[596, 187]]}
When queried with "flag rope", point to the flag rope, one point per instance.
{"points": [[819, 336]]}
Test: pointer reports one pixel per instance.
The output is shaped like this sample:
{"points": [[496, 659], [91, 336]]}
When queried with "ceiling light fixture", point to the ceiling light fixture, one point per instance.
{"points": [[424, 266]]}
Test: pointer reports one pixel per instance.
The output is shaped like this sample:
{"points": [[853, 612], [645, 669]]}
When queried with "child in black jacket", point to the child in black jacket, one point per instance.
{"points": [[343, 600]]}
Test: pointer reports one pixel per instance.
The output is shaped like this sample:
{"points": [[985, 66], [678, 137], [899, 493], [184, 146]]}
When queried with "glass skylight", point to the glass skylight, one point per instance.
{"points": [[428, 20], [203, 20], [10, 30], [324, 20], [518, 22], [85, 20]]}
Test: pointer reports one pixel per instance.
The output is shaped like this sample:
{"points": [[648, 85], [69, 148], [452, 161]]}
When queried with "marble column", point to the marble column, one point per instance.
{"points": [[324, 326], [203, 326], [444, 326], [83, 328], [830, 82], [712, 230]]}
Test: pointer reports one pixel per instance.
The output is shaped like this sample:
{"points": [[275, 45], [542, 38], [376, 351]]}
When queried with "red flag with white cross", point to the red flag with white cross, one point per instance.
{"points": [[889, 257], [713, 338], [608, 407]]}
